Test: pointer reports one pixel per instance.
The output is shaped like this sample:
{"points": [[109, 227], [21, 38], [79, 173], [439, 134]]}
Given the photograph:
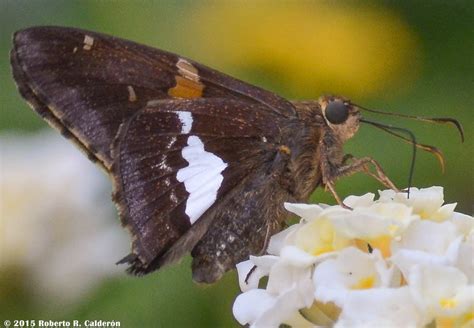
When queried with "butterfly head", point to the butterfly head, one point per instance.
{"points": [[342, 117]]}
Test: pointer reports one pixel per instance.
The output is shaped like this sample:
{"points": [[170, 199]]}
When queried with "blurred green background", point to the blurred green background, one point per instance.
{"points": [[411, 57]]}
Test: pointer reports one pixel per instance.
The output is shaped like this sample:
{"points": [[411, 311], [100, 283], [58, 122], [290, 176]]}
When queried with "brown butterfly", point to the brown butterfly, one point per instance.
{"points": [[200, 161]]}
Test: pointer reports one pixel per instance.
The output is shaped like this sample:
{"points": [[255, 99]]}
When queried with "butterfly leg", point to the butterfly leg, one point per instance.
{"points": [[330, 186], [379, 175], [363, 165], [348, 166], [347, 158]]}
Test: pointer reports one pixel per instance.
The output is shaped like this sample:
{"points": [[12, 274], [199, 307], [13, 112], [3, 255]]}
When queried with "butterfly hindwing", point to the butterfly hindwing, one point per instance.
{"points": [[243, 224], [87, 84], [175, 159]]}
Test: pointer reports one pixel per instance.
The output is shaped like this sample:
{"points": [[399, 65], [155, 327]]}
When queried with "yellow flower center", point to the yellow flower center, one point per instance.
{"points": [[382, 243], [444, 322], [319, 237], [448, 303], [464, 320], [392, 229], [364, 283], [467, 318]]}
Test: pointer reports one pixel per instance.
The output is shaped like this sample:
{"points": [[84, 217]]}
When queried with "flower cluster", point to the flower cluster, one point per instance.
{"points": [[391, 262]]}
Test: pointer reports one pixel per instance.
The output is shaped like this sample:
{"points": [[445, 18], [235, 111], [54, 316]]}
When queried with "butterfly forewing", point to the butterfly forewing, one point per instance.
{"points": [[86, 84]]}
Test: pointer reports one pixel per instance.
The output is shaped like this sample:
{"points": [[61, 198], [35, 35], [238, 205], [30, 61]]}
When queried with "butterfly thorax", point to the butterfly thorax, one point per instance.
{"points": [[316, 144], [304, 135]]}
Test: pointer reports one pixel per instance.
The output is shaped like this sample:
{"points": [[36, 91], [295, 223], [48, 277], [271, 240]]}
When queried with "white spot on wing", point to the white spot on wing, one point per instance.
{"points": [[154, 102], [171, 142], [202, 177], [187, 70], [132, 96], [186, 121], [88, 42], [173, 197]]}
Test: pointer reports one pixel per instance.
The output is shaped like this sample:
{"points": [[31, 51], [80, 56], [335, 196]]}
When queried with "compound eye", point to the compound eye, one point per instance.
{"points": [[336, 112]]}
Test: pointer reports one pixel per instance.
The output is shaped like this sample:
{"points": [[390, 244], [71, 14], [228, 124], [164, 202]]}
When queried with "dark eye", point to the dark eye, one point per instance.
{"points": [[337, 112]]}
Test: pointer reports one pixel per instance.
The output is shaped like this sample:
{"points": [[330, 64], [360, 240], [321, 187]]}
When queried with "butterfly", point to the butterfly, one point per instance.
{"points": [[200, 162]]}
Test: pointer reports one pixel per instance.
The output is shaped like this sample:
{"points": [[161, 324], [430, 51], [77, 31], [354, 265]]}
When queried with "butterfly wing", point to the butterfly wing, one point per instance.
{"points": [[174, 159], [86, 84]]}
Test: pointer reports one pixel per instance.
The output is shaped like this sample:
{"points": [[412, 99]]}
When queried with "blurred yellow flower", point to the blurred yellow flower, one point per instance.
{"points": [[314, 47]]}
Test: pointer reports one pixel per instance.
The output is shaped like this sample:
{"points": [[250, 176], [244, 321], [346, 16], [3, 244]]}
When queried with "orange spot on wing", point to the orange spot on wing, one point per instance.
{"points": [[284, 149], [186, 88]]}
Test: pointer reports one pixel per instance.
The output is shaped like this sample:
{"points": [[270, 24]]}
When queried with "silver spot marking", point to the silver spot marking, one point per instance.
{"points": [[171, 142], [202, 177], [153, 102], [132, 96], [264, 139], [186, 121], [74, 50], [167, 182], [88, 42], [163, 167], [173, 197], [187, 70]]}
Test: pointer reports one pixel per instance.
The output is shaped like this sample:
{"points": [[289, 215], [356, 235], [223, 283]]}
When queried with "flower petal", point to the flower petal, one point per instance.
{"points": [[247, 282], [249, 306], [282, 238], [381, 307], [305, 211], [296, 257], [351, 270], [425, 201], [465, 260], [287, 305], [438, 288], [359, 201], [427, 236], [284, 277]]}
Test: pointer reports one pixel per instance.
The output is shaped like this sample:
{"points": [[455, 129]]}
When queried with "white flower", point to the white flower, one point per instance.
{"points": [[251, 271], [381, 307], [426, 202], [285, 237], [352, 269], [260, 308], [465, 257], [360, 201], [305, 211], [377, 224], [442, 290], [427, 242], [318, 235], [289, 287], [392, 262], [58, 224]]}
